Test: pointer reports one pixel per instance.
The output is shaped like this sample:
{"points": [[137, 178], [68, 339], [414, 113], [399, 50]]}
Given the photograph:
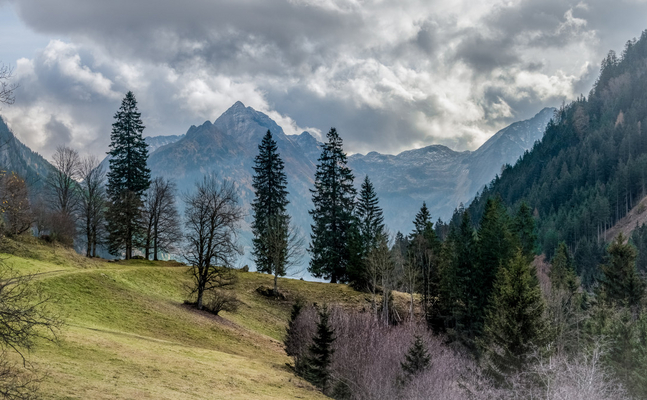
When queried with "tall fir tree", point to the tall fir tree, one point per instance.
{"points": [[562, 270], [422, 219], [128, 178], [369, 221], [317, 364], [333, 198], [524, 227], [621, 284], [270, 224], [458, 282], [515, 322], [495, 248], [424, 254]]}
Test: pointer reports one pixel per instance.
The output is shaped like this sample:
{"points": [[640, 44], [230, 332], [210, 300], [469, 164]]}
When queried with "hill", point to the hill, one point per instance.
{"points": [[129, 335], [588, 172]]}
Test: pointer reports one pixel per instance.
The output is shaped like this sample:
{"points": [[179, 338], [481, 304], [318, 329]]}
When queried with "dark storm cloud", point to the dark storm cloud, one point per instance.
{"points": [[390, 74]]}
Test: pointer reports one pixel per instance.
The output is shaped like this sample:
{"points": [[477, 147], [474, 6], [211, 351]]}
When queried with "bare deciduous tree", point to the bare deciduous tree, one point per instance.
{"points": [[24, 318], [212, 216], [92, 203], [14, 204], [6, 88], [63, 188], [285, 248], [162, 218]]}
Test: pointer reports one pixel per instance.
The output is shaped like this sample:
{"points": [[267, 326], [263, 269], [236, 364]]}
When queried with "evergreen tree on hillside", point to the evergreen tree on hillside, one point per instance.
{"points": [[424, 255], [317, 364], [333, 198], [458, 282], [621, 283], [416, 360], [524, 228], [422, 219], [495, 248], [515, 321], [562, 270], [270, 224], [128, 178], [369, 228]]}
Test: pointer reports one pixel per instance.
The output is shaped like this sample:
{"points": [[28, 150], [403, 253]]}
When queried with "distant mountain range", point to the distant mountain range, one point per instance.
{"points": [[435, 174], [441, 177]]}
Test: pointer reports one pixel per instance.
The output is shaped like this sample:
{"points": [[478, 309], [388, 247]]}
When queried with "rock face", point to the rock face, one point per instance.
{"points": [[18, 158], [435, 174]]}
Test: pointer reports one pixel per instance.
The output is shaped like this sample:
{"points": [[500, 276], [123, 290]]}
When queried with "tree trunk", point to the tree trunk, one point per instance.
{"points": [[276, 287], [200, 293], [155, 237]]}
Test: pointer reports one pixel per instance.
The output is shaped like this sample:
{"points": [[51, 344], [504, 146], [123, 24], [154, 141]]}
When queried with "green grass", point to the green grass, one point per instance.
{"points": [[128, 335]]}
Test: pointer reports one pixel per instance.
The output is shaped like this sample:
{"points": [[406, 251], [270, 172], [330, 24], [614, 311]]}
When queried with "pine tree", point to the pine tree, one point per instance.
{"points": [[416, 360], [270, 224], [128, 178], [458, 282], [495, 248], [333, 198], [621, 283], [422, 219], [562, 271], [369, 229], [524, 227], [317, 364], [291, 341], [424, 251], [515, 321]]}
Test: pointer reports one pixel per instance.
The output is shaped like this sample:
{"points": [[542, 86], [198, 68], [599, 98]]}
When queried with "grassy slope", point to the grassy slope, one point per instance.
{"points": [[128, 334]]}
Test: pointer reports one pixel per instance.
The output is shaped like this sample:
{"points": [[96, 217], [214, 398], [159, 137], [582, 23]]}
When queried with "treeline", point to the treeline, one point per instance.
{"points": [[589, 169]]}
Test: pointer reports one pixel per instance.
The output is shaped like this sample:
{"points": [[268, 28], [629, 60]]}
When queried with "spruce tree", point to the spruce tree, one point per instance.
{"points": [[318, 362], [515, 321], [621, 283], [562, 271], [270, 224], [459, 283], [495, 248], [424, 252], [369, 229], [523, 226], [333, 198], [128, 178], [422, 219], [416, 360]]}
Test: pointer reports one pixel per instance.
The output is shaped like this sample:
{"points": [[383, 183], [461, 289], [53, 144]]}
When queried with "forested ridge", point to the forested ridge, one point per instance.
{"points": [[589, 169]]}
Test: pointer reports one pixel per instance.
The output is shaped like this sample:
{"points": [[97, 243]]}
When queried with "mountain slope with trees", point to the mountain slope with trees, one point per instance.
{"points": [[590, 169]]}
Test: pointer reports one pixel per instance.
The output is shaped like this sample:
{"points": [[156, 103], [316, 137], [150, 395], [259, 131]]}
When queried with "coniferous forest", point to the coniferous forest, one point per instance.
{"points": [[532, 290]]}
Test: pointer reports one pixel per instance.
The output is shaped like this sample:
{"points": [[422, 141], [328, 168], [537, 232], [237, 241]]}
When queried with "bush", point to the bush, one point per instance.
{"points": [[217, 300]]}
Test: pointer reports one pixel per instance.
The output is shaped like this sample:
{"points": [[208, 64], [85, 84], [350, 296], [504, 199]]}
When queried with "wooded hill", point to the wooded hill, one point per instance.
{"points": [[589, 170]]}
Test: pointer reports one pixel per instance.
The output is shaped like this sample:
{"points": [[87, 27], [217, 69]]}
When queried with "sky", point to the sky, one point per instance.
{"points": [[390, 75]]}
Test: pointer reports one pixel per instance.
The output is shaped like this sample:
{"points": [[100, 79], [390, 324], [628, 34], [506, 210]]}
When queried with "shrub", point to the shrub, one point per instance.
{"points": [[217, 300]]}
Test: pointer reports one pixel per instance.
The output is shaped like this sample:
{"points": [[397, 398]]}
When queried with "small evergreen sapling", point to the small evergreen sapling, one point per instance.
{"points": [[317, 364], [416, 360]]}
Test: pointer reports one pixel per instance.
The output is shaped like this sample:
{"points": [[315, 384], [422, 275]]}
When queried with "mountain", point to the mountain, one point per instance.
{"points": [[18, 158], [435, 174], [588, 172], [441, 177]]}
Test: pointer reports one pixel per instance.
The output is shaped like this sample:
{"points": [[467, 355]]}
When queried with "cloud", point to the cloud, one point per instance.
{"points": [[390, 75]]}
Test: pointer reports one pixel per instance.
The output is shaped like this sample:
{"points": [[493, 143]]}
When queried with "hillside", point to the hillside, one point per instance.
{"points": [[588, 172], [129, 335], [18, 158]]}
